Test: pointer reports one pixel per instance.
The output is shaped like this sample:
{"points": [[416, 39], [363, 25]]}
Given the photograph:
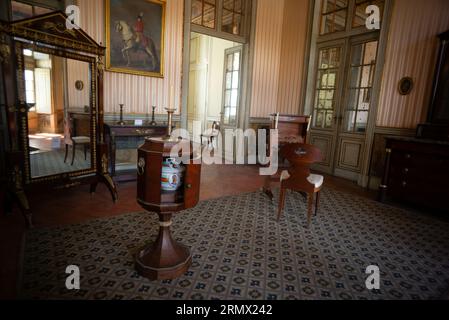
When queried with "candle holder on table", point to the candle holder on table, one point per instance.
{"points": [[153, 122], [121, 122]]}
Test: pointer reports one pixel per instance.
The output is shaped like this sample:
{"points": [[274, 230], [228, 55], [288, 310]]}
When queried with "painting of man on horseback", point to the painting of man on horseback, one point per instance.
{"points": [[135, 40]]}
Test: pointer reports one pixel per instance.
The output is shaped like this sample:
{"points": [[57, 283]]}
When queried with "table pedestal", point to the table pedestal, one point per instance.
{"points": [[165, 258]]}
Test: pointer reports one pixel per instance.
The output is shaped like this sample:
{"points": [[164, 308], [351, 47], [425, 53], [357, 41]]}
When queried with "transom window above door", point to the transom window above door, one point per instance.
{"points": [[228, 17], [344, 15], [204, 13], [233, 16]]}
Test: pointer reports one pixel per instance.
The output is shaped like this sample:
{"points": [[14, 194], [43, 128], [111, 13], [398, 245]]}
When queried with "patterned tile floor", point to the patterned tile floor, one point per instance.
{"points": [[241, 252]]}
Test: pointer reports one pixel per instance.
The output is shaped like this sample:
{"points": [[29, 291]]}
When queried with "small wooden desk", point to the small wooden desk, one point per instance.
{"points": [[128, 137]]}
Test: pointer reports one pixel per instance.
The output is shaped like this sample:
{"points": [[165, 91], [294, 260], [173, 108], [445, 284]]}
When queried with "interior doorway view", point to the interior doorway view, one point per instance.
{"points": [[215, 77]]}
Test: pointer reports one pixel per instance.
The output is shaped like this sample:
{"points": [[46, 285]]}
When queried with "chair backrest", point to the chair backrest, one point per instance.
{"points": [[76, 125], [216, 126], [68, 129]]}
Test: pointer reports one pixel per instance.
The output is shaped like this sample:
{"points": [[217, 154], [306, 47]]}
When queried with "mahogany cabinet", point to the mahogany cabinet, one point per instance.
{"points": [[416, 172], [127, 137]]}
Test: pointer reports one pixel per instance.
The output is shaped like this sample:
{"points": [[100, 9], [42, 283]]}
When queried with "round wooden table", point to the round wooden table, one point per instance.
{"points": [[301, 154]]}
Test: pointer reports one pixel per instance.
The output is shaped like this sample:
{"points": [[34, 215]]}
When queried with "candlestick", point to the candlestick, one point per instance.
{"points": [[170, 112], [121, 122], [153, 122]]}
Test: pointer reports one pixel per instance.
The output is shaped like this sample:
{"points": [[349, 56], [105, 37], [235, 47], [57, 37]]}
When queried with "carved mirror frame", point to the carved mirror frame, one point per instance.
{"points": [[48, 33], [23, 119]]}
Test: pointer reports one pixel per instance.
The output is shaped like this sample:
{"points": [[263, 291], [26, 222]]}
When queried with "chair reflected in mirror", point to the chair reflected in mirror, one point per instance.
{"points": [[76, 134]]}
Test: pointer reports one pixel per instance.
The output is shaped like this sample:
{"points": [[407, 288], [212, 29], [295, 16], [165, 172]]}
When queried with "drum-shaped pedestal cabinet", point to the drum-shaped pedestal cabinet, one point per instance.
{"points": [[165, 187]]}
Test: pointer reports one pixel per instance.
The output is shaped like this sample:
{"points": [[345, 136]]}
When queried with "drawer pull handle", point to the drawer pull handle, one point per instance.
{"points": [[189, 186], [408, 156], [404, 184], [406, 170]]}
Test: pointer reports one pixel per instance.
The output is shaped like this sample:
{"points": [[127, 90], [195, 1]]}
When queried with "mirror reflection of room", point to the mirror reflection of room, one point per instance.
{"points": [[58, 98]]}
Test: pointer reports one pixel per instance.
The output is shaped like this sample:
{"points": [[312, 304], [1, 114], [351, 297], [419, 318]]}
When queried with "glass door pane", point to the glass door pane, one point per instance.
{"points": [[326, 87], [360, 84]]}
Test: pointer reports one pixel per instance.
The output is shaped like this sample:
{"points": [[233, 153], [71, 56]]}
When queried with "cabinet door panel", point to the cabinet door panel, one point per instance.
{"points": [[192, 185]]}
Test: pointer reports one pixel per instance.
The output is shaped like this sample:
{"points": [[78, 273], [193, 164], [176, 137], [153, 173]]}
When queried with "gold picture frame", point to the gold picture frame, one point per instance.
{"points": [[135, 37]]}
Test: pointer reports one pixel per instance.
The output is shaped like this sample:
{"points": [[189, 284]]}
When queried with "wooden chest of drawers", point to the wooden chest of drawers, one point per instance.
{"points": [[417, 172]]}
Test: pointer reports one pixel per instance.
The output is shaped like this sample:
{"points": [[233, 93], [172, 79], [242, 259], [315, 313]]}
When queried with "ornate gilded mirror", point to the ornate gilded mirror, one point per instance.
{"points": [[58, 131], [56, 114]]}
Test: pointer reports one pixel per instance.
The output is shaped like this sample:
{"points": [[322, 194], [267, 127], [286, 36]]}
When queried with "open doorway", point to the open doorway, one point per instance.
{"points": [[215, 79]]}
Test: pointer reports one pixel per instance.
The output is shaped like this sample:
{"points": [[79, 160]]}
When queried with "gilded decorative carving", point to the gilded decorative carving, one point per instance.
{"points": [[100, 64], [51, 30], [5, 52], [58, 27], [104, 164], [23, 119]]}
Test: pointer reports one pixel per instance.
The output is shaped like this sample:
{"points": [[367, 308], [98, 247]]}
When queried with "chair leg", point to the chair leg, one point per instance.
{"points": [[309, 208], [317, 202], [73, 153], [281, 202], [66, 152]]}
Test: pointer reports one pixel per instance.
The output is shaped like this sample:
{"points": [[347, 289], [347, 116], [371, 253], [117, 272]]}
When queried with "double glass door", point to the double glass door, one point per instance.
{"points": [[345, 71]]}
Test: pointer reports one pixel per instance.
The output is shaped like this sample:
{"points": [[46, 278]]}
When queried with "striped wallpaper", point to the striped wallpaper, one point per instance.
{"points": [[78, 70], [411, 52], [294, 38], [280, 43], [139, 93], [267, 57]]}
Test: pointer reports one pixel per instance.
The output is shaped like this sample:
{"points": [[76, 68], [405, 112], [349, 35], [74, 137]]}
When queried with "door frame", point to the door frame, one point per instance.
{"points": [[246, 75], [363, 178], [330, 132], [354, 138]]}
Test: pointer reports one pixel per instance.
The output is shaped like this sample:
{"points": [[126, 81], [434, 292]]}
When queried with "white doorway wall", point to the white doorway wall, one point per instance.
{"points": [[206, 75]]}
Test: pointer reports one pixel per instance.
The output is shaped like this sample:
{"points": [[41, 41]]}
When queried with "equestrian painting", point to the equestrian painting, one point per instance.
{"points": [[135, 36]]}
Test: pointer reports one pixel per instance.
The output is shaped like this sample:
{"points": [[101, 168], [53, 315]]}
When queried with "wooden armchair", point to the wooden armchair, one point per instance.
{"points": [[71, 138]]}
